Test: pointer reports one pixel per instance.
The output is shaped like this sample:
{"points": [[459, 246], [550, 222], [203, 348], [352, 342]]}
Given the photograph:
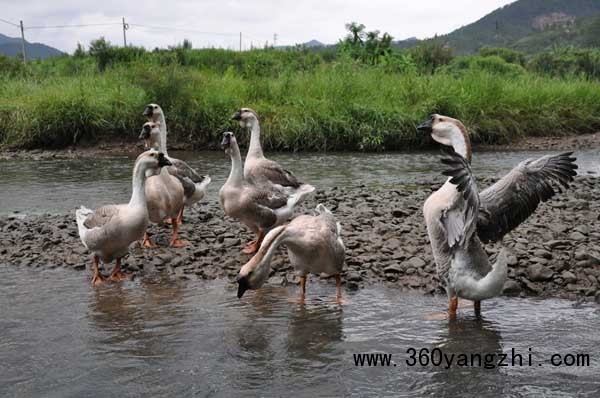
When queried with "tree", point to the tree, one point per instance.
{"points": [[357, 32]]}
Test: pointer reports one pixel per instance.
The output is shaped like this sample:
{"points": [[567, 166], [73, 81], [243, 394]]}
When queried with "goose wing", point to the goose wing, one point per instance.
{"points": [[459, 219], [511, 200], [101, 216], [273, 172], [181, 169]]}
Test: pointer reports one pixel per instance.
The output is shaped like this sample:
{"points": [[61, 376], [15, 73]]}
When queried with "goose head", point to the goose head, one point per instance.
{"points": [[151, 161], [256, 271], [153, 112], [246, 117], [228, 142], [151, 135], [448, 131]]}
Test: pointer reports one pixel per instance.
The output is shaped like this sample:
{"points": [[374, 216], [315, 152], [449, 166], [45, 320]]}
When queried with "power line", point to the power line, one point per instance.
{"points": [[8, 22], [72, 26]]}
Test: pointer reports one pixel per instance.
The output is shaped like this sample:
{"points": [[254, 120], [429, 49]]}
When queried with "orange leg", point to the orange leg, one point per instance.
{"points": [[97, 279], [180, 216], [147, 242], [117, 274], [175, 241], [452, 306], [253, 246], [338, 285], [302, 288], [477, 307]]}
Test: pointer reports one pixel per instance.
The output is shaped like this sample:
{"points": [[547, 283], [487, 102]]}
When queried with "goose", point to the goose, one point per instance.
{"points": [[194, 184], [109, 230], [257, 168], [460, 219], [259, 207], [314, 245], [165, 197]]}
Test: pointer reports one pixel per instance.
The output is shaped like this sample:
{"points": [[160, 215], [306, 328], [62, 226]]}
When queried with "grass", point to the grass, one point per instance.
{"points": [[311, 105]]}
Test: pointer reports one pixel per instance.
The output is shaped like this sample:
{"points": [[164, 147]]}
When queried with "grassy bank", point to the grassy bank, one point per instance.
{"points": [[307, 101]]}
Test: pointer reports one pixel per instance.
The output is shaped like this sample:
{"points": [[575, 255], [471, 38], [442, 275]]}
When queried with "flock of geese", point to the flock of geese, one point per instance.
{"points": [[263, 195]]}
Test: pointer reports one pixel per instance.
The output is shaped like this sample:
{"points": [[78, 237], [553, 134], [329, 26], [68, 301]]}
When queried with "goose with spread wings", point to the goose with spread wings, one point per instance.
{"points": [[459, 218]]}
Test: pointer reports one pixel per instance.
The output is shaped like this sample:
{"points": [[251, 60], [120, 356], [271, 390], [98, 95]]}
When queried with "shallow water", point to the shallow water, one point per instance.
{"points": [[161, 337], [55, 186]]}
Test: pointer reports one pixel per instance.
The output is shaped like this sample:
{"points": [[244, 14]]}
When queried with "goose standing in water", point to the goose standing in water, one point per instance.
{"points": [[109, 230], [459, 218], [314, 245], [259, 207], [194, 184], [257, 168]]}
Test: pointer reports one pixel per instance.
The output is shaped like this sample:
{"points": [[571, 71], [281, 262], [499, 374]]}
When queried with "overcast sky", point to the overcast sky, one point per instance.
{"points": [[294, 21]]}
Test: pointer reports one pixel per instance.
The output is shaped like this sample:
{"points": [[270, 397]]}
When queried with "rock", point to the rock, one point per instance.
{"points": [[577, 236], [511, 287], [416, 262], [569, 277], [539, 273], [394, 268], [354, 277], [231, 242]]}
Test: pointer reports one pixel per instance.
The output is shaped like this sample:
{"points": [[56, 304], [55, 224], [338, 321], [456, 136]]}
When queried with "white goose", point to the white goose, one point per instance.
{"points": [[459, 218], [260, 207], [109, 230], [257, 168], [314, 245], [194, 185]]}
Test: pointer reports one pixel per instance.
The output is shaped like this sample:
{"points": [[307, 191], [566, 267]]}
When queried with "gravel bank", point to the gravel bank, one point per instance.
{"points": [[556, 253]]}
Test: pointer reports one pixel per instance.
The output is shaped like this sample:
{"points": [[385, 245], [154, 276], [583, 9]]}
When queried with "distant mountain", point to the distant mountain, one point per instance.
{"points": [[313, 43], [506, 25], [526, 22], [11, 46]]}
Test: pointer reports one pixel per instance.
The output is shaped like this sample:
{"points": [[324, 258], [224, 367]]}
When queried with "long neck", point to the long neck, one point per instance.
{"points": [[163, 134], [461, 143], [274, 238], [138, 182], [236, 175], [255, 148]]}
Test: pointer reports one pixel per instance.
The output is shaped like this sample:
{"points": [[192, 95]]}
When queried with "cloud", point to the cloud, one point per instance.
{"points": [[218, 23]]}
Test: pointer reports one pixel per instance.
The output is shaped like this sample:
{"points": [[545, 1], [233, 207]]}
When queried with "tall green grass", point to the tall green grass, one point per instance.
{"points": [[313, 105]]}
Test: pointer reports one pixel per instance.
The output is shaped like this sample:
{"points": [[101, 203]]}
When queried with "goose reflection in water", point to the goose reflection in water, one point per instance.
{"points": [[468, 337], [138, 318]]}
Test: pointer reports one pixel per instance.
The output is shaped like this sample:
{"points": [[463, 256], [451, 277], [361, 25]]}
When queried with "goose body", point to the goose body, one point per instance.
{"points": [[109, 230], [259, 207], [314, 245], [459, 218]]}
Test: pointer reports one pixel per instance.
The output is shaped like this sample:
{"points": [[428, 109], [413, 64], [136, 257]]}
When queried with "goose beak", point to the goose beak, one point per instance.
{"points": [[237, 116], [426, 126], [242, 285], [226, 141], [147, 112], [163, 161]]}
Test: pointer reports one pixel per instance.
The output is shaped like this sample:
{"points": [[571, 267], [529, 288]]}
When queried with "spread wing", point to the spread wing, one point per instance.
{"points": [[459, 219], [273, 172], [510, 201], [101, 216]]}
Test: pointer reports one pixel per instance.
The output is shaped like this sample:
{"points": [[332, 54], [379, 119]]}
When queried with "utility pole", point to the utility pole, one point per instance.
{"points": [[274, 39], [23, 43], [240, 41], [125, 27]]}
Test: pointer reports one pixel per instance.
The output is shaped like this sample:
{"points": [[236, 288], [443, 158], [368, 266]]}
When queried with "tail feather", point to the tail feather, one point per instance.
{"points": [[490, 285], [81, 215]]}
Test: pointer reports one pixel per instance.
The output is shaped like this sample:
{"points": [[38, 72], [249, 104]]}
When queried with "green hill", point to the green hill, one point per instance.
{"points": [[11, 46]]}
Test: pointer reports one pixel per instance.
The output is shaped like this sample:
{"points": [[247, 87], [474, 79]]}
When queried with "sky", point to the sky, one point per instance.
{"points": [[208, 23]]}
